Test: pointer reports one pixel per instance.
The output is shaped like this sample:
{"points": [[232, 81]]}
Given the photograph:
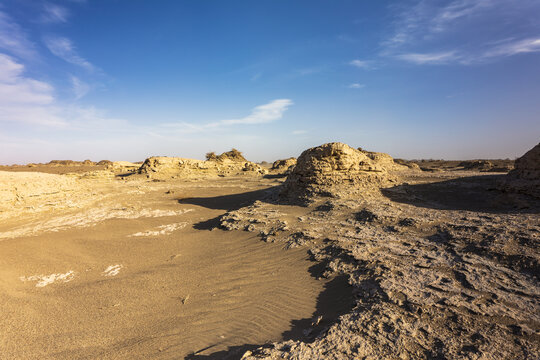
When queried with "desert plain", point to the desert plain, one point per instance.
{"points": [[341, 253]]}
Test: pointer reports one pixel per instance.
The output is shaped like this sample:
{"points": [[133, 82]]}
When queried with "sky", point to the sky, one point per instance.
{"points": [[125, 80]]}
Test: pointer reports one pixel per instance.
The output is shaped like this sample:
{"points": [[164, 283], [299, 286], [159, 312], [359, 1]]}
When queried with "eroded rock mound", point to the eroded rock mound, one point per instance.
{"points": [[284, 165], [383, 160], [525, 178], [334, 170], [226, 164]]}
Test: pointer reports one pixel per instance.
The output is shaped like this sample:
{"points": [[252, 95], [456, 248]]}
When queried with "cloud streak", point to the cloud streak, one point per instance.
{"points": [[64, 49], [54, 13], [430, 34], [13, 39], [362, 64], [22, 99]]}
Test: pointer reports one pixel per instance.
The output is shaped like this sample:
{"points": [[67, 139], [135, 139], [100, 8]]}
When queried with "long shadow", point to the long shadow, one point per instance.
{"points": [[229, 202], [473, 193], [335, 300]]}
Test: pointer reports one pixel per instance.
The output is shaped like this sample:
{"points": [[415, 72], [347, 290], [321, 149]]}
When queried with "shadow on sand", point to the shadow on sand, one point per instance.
{"points": [[335, 300], [227, 203], [230, 202], [473, 193]]}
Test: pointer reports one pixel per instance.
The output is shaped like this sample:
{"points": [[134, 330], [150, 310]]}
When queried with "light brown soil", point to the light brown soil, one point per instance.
{"points": [[435, 265], [132, 270]]}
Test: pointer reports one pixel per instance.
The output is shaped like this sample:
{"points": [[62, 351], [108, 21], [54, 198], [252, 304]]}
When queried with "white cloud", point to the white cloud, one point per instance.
{"points": [[299, 132], [356, 86], [24, 99], [360, 64], [64, 49], [431, 33], [260, 115], [514, 47], [54, 13], [13, 39], [431, 58], [80, 88]]}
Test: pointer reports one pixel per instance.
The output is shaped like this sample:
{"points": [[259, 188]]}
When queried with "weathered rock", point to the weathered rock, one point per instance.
{"points": [[226, 164], [284, 165], [334, 170], [123, 166], [525, 178], [383, 160], [105, 162]]}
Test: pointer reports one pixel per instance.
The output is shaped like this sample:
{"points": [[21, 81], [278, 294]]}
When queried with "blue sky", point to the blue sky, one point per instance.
{"points": [[124, 80]]}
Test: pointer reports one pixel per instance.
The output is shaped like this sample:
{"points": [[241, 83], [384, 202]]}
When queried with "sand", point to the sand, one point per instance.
{"points": [[130, 270], [106, 264]]}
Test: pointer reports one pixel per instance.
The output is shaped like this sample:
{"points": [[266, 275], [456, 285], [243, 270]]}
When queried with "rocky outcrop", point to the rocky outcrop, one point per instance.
{"points": [[284, 165], [525, 178], [335, 170], [226, 164], [383, 160]]}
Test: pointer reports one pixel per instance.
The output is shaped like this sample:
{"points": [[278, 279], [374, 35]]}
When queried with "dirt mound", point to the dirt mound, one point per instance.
{"points": [[105, 162], [383, 160], [126, 166], [411, 165], [62, 162], [285, 164], [334, 170], [226, 164], [70, 163], [233, 155], [525, 178]]}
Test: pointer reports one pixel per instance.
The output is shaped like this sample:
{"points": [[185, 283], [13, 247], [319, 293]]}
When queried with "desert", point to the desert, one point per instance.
{"points": [[341, 254], [269, 179]]}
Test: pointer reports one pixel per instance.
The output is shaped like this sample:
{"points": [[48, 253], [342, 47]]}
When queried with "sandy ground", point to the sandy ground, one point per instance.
{"points": [[105, 268], [95, 266]]}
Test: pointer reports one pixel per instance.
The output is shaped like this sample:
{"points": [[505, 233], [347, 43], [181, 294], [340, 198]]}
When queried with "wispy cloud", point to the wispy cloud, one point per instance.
{"points": [[299, 132], [80, 88], [429, 58], [515, 47], [356, 86], [362, 64], [13, 39], [53, 13], [431, 33], [64, 49], [23, 99], [260, 115]]}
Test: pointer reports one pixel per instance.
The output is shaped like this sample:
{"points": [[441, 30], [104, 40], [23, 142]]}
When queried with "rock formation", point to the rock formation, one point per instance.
{"points": [[284, 165], [383, 160], [226, 164], [525, 178], [335, 170]]}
